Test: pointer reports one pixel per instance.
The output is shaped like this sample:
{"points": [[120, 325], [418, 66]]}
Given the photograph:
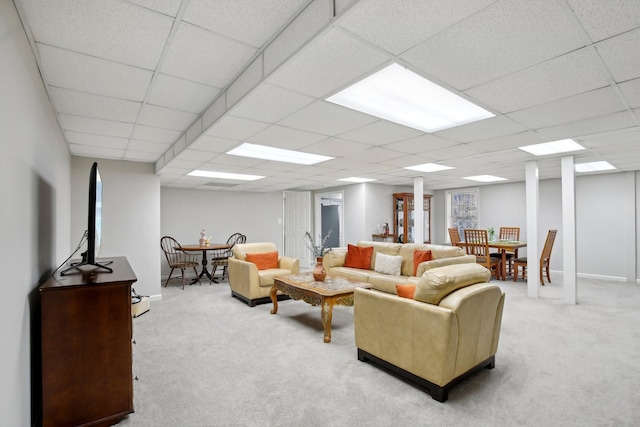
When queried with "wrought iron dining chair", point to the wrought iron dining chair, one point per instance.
{"points": [[454, 236], [545, 259], [508, 233], [178, 258], [476, 243], [220, 257]]}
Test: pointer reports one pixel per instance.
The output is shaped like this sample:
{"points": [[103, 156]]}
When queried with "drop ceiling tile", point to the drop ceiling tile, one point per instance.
{"points": [[328, 63], [379, 21], [100, 152], [185, 164], [604, 19], [224, 161], [195, 52], [625, 136], [148, 146], [482, 129], [96, 106], [380, 132], [561, 77], [196, 155], [607, 123], [336, 147], [461, 150], [250, 21], [282, 137], [154, 134], [631, 92], [327, 119], [179, 94], [80, 138], [168, 7], [96, 126], [501, 39], [140, 156], [269, 103], [375, 154], [420, 144], [117, 31], [584, 105], [621, 55], [85, 73], [152, 115], [508, 141], [230, 127], [214, 144]]}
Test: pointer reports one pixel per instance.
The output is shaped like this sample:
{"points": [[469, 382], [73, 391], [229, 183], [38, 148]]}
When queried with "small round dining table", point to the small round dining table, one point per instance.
{"points": [[204, 249]]}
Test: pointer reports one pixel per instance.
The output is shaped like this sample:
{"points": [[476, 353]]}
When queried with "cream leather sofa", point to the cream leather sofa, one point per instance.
{"points": [[250, 284], [447, 332], [333, 263]]}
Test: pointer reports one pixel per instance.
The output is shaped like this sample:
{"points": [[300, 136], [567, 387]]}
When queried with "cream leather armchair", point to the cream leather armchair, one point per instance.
{"points": [[449, 331], [250, 284]]}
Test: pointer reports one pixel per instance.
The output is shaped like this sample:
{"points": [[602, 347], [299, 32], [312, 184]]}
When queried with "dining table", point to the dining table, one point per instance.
{"points": [[205, 249], [504, 246]]}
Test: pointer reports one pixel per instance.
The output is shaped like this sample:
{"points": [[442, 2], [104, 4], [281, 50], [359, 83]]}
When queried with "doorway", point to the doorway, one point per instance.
{"points": [[329, 216]]}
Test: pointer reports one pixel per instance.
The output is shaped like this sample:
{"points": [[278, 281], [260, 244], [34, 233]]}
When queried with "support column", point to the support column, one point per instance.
{"points": [[569, 230], [418, 212], [533, 202], [632, 228]]}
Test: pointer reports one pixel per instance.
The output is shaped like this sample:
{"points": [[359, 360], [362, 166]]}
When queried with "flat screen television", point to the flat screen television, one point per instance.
{"points": [[94, 229]]}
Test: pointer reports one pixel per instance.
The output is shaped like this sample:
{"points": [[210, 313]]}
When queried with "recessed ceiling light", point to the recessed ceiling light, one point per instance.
{"points": [[278, 154], [594, 166], [428, 167], [224, 175], [356, 179], [553, 147], [402, 96], [485, 178]]}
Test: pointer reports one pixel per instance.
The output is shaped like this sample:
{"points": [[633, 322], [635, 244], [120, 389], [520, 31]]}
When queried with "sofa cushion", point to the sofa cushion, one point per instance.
{"points": [[265, 277], [388, 264], [386, 248], [437, 283], [406, 291], [420, 256], [358, 257], [264, 260]]}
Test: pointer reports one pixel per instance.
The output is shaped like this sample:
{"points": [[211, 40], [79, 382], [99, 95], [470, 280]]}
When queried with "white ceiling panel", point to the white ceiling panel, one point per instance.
{"points": [[148, 146], [420, 144], [460, 150], [95, 126], [375, 154], [214, 144], [380, 132], [95, 151], [336, 147], [237, 128], [610, 122], [631, 135], [330, 62], [270, 103], [603, 19], [154, 116], [249, 21], [117, 31], [197, 54], [86, 73], [557, 78], [96, 106], [631, 92], [508, 141], [179, 94], [154, 134], [577, 107], [503, 38], [282, 137], [80, 138], [621, 54], [139, 156], [482, 129], [168, 7], [325, 118]]}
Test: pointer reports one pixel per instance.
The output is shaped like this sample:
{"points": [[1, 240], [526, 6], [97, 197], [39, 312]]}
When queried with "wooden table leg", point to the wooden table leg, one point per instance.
{"points": [[504, 264], [327, 314], [274, 299]]}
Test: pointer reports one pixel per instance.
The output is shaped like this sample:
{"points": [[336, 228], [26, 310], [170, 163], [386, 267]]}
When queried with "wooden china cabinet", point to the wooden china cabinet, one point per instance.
{"points": [[403, 217]]}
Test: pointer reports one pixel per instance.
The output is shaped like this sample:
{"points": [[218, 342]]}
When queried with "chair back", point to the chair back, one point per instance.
{"points": [[454, 235], [172, 251], [509, 233], [476, 242], [233, 239], [548, 245]]}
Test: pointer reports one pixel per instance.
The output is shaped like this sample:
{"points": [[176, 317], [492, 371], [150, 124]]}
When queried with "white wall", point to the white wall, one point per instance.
{"points": [[130, 215], [34, 218]]}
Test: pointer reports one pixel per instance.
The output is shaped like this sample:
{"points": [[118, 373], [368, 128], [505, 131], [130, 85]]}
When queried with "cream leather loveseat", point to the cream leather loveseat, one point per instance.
{"points": [[449, 330], [334, 261], [250, 284]]}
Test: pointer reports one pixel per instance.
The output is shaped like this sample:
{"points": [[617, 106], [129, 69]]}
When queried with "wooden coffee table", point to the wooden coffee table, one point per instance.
{"points": [[333, 291]]}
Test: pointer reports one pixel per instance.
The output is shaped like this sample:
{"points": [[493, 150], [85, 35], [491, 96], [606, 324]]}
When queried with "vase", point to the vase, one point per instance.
{"points": [[318, 271]]}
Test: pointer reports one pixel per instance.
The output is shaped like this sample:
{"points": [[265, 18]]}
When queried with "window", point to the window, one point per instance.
{"points": [[462, 210]]}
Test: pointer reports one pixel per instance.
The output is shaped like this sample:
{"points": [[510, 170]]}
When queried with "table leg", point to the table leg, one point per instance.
{"points": [[327, 314], [504, 264], [274, 299], [205, 271]]}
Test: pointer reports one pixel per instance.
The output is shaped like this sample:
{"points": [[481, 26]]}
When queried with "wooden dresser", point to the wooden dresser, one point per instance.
{"points": [[86, 347]]}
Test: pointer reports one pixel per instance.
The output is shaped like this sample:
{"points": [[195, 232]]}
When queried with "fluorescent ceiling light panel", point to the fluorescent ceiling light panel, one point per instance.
{"points": [[553, 147], [429, 167], [356, 179], [402, 96], [224, 175], [485, 178], [594, 167], [278, 154]]}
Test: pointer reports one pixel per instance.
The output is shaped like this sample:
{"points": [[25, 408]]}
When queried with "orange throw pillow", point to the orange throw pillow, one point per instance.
{"points": [[265, 260], [358, 257], [420, 256], [406, 291]]}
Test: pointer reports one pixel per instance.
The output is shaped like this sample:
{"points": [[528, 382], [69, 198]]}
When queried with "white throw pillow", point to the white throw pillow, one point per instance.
{"points": [[388, 264]]}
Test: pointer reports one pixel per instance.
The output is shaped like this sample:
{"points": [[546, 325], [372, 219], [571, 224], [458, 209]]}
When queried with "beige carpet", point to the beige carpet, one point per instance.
{"points": [[204, 358]]}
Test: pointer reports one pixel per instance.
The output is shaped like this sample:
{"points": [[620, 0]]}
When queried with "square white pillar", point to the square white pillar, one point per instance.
{"points": [[533, 201], [569, 230]]}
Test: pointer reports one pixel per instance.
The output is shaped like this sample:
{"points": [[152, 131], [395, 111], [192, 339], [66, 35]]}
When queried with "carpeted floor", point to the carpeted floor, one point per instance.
{"points": [[204, 358]]}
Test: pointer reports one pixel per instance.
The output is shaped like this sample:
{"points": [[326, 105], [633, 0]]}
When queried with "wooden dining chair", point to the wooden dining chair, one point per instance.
{"points": [[476, 243], [220, 257], [545, 259], [508, 233], [454, 236], [178, 258]]}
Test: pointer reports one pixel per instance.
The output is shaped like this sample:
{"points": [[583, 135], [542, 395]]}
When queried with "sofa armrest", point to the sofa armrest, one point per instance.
{"points": [[243, 276], [435, 263], [289, 263]]}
